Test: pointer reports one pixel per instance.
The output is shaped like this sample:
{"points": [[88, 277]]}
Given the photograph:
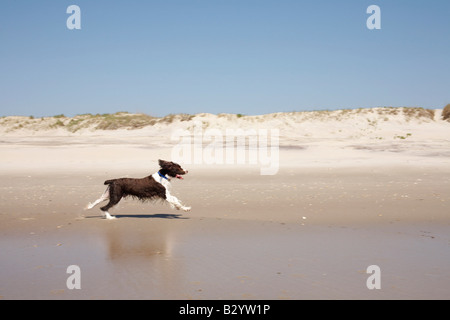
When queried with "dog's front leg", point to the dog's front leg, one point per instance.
{"points": [[175, 203]]}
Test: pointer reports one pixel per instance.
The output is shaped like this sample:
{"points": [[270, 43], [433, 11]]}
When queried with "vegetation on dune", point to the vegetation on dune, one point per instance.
{"points": [[107, 121], [123, 120], [418, 113], [128, 121], [383, 112], [446, 113]]}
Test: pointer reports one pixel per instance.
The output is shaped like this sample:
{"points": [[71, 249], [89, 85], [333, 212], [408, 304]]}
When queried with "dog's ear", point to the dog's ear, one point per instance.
{"points": [[162, 163]]}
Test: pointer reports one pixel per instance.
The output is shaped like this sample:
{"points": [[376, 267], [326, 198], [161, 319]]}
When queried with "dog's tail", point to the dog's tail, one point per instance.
{"points": [[107, 182]]}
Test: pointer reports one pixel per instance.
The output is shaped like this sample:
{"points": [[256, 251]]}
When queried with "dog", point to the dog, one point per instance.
{"points": [[153, 187]]}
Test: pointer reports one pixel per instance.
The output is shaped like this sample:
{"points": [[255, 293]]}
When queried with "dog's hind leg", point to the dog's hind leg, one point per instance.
{"points": [[115, 194], [104, 197]]}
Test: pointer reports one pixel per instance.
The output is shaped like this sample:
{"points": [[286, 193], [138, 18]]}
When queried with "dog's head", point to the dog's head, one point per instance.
{"points": [[172, 169]]}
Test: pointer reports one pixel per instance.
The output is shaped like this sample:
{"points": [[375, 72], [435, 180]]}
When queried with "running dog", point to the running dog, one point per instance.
{"points": [[153, 187]]}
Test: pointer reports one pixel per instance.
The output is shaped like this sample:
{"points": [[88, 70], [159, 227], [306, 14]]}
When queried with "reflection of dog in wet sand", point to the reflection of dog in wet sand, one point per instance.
{"points": [[152, 187]]}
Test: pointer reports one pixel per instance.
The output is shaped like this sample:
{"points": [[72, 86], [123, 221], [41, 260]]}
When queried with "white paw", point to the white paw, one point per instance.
{"points": [[186, 209], [109, 217], [89, 206]]}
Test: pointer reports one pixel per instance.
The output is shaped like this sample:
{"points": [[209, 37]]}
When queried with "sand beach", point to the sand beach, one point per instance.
{"points": [[352, 189]]}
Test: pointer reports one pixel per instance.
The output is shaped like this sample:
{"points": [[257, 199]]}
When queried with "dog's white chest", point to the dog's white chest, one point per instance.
{"points": [[161, 180]]}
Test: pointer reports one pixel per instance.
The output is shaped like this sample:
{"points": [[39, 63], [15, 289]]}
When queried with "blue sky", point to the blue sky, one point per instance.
{"points": [[234, 56]]}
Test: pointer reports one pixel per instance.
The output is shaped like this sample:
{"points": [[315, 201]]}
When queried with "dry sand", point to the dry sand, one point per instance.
{"points": [[336, 206]]}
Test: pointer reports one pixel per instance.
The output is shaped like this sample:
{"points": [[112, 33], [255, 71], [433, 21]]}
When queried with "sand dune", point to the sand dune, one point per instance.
{"points": [[378, 136], [374, 123]]}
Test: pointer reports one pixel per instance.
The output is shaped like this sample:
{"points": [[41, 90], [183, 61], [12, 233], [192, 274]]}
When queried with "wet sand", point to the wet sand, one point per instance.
{"points": [[305, 233]]}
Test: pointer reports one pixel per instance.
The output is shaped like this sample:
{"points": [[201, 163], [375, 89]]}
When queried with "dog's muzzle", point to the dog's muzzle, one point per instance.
{"points": [[181, 177]]}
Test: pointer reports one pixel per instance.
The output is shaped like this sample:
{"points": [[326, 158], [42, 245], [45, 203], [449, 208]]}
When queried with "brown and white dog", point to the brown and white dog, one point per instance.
{"points": [[153, 187]]}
